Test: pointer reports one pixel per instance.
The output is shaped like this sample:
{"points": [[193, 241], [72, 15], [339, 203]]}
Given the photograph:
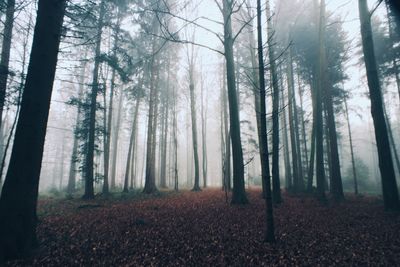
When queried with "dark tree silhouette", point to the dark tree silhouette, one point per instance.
{"points": [[20, 191]]}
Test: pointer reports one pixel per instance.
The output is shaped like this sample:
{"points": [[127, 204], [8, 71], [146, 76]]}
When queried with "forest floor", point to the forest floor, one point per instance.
{"points": [[201, 229]]}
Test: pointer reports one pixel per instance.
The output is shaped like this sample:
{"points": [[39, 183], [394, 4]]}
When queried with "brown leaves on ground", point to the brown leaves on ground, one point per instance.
{"points": [[200, 228]]}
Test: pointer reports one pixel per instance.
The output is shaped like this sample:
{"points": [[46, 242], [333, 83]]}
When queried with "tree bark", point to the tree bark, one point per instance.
{"points": [[204, 135], [150, 182], [175, 134], [110, 114], [227, 154], [18, 200], [196, 186], [115, 139], [270, 231], [297, 169], [131, 148], [276, 185], [389, 184], [353, 163], [336, 179], [239, 193], [163, 172], [89, 176]]}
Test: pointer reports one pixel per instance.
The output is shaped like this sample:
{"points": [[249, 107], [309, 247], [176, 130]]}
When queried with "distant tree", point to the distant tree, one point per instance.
{"points": [[89, 176], [5, 53], [326, 88], [18, 200]]}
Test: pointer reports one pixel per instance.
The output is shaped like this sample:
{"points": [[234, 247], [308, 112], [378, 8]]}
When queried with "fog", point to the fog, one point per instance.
{"points": [[199, 26]]}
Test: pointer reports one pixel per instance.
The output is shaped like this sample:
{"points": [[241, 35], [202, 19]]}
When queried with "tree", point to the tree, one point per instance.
{"points": [[89, 177], [191, 61], [353, 165], [204, 133], [239, 193], [336, 178], [5, 53], [131, 148], [275, 110], [20, 191], [265, 172], [389, 185]]}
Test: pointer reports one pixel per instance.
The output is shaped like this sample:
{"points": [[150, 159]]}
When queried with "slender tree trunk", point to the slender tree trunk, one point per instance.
{"points": [[255, 81], [175, 133], [196, 186], [150, 183], [62, 163], [204, 135], [312, 161], [18, 200], [110, 115], [336, 179], [270, 231], [276, 185], [227, 154], [318, 117], [115, 139], [163, 176], [292, 129], [222, 134], [5, 54], [239, 193], [288, 172], [353, 163], [328, 154], [303, 126], [89, 190], [74, 157], [131, 146], [389, 184]]}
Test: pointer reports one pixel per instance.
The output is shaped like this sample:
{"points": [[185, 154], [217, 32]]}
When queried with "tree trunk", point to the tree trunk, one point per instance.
{"points": [[175, 133], [391, 138], [276, 185], [116, 138], [336, 179], [292, 129], [303, 126], [270, 232], [227, 154], [74, 157], [389, 184], [239, 193], [196, 186], [255, 82], [89, 190], [353, 163], [18, 200], [150, 182], [311, 165], [5, 54], [131, 146], [110, 114], [163, 176], [204, 135], [318, 118], [288, 172]]}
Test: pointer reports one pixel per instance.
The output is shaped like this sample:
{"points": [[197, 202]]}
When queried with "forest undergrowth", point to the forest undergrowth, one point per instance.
{"points": [[202, 229]]}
